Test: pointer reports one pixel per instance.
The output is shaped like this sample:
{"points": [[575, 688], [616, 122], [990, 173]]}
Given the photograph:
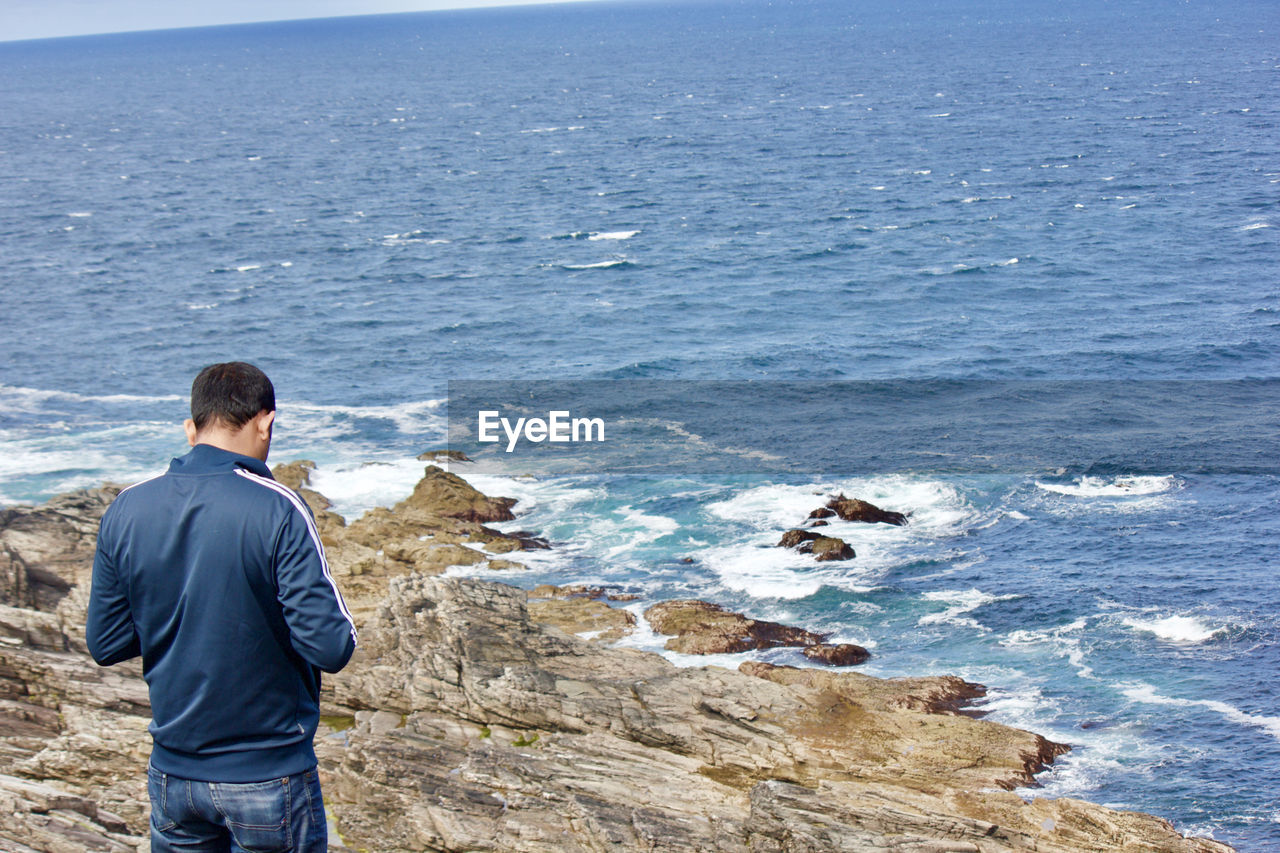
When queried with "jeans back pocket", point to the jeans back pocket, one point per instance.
{"points": [[257, 813]]}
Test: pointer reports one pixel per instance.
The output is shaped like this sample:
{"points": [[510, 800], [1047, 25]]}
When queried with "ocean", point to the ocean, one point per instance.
{"points": [[385, 213]]}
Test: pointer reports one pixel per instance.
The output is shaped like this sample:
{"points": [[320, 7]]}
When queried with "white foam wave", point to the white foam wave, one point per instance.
{"points": [[755, 565], [962, 602], [613, 235], [19, 398], [1146, 693], [596, 266], [629, 528], [1096, 487], [1177, 629], [356, 488], [248, 267], [546, 500], [1254, 226], [937, 512], [412, 417], [694, 441], [1063, 641], [554, 129], [765, 572], [80, 215], [1099, 756], [33, 468], [862, 608], [1025, 706], [21, 459], [410, 237]]}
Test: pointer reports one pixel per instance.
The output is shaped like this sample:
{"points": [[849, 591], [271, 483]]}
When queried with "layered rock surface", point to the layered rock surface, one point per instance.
{"points": [[469, 721]]}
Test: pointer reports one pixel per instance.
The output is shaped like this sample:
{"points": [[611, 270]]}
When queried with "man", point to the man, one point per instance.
{"points": [[215, 574]]}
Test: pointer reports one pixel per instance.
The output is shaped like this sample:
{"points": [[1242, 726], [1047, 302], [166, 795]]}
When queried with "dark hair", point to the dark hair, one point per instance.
{"points": [[233, 392]]}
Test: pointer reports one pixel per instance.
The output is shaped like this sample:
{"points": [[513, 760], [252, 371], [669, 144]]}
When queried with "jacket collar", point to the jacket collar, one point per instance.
{"points": [[207, 459]]}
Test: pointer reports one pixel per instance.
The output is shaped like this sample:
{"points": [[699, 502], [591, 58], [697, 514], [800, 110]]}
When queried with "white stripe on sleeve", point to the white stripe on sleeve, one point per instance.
{"points": [[311, 529]]}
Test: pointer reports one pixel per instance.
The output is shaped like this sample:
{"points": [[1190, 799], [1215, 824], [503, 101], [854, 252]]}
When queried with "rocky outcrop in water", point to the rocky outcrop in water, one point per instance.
{"points": [[855, 509], [433, 529], [476, 717], [703, 628], [823, 548]]}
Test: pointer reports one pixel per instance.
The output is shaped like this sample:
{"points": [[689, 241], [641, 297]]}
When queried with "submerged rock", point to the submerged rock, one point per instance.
{"points": [[837, 654]]}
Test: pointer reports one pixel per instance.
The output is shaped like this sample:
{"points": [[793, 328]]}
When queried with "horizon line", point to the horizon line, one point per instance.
{"points": [[464, 6]]}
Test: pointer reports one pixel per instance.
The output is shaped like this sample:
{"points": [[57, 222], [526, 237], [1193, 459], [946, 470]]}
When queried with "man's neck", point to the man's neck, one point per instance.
{"points": [[253, 438]]}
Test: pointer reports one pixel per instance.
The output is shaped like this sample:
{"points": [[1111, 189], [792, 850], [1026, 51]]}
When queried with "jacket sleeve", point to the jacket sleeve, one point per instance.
{"points": [[320, 626], [109, 629]]}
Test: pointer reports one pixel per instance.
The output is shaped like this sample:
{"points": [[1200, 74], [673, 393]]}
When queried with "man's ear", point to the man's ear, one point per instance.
{"points": [[189, 426], [263, 425]]}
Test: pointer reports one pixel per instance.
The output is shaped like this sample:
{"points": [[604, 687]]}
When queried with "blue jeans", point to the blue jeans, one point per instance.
{"points": [[284, 815]]}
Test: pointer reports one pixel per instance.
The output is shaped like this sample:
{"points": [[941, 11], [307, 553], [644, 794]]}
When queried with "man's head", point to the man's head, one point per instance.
{"points": [[233, 406]]}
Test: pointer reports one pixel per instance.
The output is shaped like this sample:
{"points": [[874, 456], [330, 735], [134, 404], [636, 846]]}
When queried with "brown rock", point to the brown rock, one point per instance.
{"points": [[46, 550], [537, 740], [826, 548], [576, 590], [448, 455], [703, 628], [297, 476], [530, 541], [823, 548], [933, 694], [583, 615], [853, 509], [838, 654], [448, 495], [822, 512], [792, 538]]}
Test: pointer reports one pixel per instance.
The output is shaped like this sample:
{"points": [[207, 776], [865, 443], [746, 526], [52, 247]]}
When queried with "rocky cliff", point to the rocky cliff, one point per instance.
{"points": [[472, 719]]}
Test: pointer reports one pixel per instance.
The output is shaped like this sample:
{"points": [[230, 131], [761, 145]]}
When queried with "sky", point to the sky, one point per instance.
{"points": [[28, 19]]}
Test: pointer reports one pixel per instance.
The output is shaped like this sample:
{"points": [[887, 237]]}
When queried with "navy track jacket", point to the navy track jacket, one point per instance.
{"points": [[215, 574]]}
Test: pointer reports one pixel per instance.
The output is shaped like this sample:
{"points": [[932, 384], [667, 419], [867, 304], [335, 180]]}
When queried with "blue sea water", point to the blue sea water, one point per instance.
{"points": [[370, 208]]}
